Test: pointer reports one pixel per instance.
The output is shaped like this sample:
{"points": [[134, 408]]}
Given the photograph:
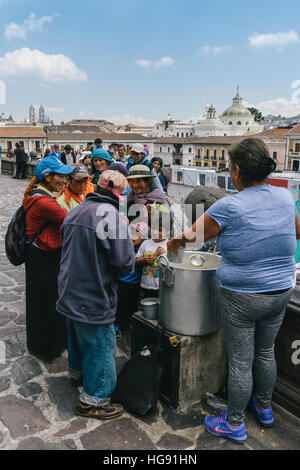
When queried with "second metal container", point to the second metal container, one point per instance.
{"points": [[189, 294]]}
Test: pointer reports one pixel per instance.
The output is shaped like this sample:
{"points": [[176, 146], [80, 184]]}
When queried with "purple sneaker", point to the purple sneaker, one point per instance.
{"points": [[265, 417], [218, 426]]}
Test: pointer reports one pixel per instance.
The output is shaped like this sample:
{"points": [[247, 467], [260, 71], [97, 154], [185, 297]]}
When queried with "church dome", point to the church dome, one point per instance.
{"points": [[237, 108]]}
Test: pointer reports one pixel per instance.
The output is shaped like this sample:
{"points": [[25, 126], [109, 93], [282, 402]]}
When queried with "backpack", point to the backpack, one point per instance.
{"points": [[16, 241], [138, 383]]}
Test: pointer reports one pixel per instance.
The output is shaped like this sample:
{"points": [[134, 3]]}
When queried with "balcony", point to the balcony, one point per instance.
{"points": [[294, 154]]}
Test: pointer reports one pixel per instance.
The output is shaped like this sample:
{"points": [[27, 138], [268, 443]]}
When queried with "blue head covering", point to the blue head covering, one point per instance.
{"points": [[51, 165], [100, 153]]}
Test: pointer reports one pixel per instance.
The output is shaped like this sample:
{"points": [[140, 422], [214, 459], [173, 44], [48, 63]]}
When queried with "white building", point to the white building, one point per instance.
{"points": [[235, 121]]}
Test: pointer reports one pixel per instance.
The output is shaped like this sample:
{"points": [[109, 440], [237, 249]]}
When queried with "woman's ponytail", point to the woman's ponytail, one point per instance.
{"points": [[29, 188]]}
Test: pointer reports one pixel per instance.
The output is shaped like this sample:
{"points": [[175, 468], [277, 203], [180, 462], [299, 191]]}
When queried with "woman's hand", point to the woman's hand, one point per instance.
{"points": [[175, 244]]}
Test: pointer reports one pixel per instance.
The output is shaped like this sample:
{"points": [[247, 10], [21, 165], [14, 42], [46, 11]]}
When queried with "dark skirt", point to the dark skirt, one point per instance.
{"points": [[45, 327]]}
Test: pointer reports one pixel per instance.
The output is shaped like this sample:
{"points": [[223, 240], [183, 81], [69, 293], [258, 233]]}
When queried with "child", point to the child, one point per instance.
{"points": [[147, 256], [129, 286]]}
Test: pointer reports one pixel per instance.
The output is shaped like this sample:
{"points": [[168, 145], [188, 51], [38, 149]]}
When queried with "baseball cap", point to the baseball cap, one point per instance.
{"points": [[50, 165], [137, 148], [113, 181], [79, 172]]}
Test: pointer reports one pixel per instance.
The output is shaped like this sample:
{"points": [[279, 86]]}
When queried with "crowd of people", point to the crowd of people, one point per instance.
{"points": [[83, 285], [98, 227]]}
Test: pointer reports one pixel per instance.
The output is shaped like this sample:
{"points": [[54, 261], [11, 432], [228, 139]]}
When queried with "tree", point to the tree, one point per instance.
{"points": [[257, 114]]}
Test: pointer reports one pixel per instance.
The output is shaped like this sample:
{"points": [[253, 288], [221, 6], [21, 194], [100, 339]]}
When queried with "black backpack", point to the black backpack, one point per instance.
{"points": [[16, 241], [138, 382]]}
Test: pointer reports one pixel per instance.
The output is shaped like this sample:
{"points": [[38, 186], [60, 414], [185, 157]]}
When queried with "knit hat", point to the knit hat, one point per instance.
{"points": [[113, 181]]}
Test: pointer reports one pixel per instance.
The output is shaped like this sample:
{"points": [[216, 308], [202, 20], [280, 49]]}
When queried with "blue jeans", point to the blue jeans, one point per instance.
{"points": [[250, 325], [92, 350]]}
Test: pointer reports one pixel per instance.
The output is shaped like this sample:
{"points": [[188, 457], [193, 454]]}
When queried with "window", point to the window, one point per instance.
{"points": [[22, 143], [9, 145], [223, 154], [187, 134], [168, 149], [230, 123], [37, 145], [190, 150], [182, 134], [177, 134], [239, 123], [199, 153], [160, 149], [274, 155], [207, 153], [215, 154]]}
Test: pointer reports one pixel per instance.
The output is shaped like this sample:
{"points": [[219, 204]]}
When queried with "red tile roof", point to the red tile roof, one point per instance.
{"points": [[22, 132]]}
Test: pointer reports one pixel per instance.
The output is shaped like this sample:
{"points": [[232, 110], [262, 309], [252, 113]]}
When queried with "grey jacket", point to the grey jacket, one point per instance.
{"points": [[90, 263]]}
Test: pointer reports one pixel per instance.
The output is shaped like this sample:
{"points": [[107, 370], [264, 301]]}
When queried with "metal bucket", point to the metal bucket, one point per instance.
{"points": [[150, 308], [189, 294]]}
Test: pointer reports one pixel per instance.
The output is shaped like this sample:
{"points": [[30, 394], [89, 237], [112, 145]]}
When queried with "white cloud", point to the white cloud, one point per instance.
{"points": [[37, 66], [213, 50], [279, 106], [54, 110], [273, 39], [143, 63], [163, 62], [32, 24]]}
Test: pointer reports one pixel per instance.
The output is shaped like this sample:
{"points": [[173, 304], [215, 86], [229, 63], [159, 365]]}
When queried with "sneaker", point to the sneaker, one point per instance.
{"points": [[218, 426], [265, 417], [106, 412]]}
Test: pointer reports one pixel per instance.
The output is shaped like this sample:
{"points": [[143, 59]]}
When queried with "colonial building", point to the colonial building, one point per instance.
{"points": [[30, 137], [293, 148], [208, 152], [237, 120], [79, 140], [276, 142]]}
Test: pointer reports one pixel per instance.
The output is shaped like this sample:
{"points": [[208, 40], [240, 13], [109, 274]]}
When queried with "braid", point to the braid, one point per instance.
{"points": [[29, 188]]}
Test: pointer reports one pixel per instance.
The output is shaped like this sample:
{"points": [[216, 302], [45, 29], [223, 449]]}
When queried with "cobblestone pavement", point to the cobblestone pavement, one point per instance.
{"points": [[37, 401]]}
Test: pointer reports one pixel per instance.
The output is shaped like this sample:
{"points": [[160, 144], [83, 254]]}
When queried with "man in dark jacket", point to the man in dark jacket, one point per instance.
{"points": [[20, 162], [97, 251], [68, 157]]}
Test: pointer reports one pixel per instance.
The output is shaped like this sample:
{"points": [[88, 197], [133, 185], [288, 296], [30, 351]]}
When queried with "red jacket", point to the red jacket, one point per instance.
{"points": [[41, 208]]}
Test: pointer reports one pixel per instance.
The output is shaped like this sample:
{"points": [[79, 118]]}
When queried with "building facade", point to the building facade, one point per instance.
{"points": [[31, 138]]}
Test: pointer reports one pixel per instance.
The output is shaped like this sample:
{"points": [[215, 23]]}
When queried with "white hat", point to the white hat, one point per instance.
{"points": [[137, 148]]}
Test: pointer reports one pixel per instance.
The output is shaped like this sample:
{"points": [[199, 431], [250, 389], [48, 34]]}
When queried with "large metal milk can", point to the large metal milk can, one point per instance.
{"points": [[189, 294]]}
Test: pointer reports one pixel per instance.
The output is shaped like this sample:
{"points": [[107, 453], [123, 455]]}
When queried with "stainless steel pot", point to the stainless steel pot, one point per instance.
{"points": [[189, 294]]}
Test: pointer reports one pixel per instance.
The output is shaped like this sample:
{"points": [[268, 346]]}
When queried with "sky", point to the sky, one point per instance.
{"points": [[137, 60]]}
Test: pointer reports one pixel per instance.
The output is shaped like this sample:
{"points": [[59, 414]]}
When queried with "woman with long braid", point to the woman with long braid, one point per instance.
{"points": [[46, 329]]}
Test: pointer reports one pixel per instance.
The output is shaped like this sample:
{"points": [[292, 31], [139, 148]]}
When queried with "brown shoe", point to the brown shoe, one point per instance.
{"points": [[110, 411]]}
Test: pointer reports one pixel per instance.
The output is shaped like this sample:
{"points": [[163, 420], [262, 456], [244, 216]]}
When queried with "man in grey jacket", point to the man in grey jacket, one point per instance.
{"points": [[97, 251]]}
